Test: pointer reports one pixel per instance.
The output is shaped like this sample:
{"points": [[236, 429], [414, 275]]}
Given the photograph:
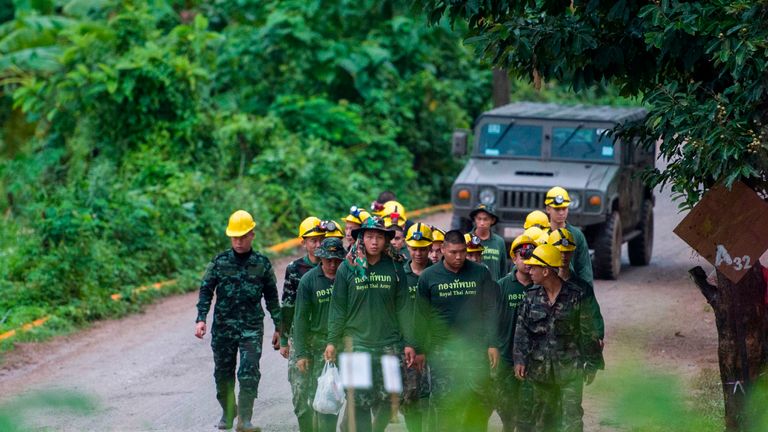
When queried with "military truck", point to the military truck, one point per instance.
{"points": [[523, 149]]}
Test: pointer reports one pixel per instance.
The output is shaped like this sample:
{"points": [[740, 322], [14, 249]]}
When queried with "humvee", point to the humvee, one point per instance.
{"points": [[523, 149]]}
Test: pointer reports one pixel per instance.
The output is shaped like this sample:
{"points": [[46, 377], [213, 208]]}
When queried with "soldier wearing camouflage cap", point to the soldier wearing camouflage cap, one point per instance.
{"points": [[311, 321], [416, 380], [494, 248], [368, 294], [556, 345], [239, 278], [511, 396]]}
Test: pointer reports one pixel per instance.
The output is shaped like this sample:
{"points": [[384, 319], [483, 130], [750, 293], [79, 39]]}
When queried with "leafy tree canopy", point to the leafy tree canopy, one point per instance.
{"points": [[699, 66]]}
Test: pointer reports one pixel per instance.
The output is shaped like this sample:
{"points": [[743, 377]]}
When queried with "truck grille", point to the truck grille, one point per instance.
{"points": [[522, 199]]}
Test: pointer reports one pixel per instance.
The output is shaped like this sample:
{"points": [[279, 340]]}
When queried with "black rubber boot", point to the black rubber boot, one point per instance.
{"points": [[225, 422], [244, 425]]}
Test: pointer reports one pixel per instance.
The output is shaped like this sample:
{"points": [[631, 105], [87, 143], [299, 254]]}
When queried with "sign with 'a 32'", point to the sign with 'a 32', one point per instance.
{"points": [[729, 228]]}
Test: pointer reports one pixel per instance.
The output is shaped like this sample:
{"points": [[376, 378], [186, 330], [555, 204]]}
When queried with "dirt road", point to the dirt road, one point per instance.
{"points": [[148, 372]]}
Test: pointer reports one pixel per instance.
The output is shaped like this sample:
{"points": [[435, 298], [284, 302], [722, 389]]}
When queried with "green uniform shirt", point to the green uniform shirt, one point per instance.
{"points": [[558, 341], [239, 281], [408, 312], [495, 255], [367, 309], [581, 264], [293, 273], [590, 302], [456, 307], [310, 322], [512, 295]]}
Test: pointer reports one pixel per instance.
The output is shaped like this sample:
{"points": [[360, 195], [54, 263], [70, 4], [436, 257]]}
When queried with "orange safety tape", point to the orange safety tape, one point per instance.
{"points": [[28, 326], [156, 285], [280, 247]]}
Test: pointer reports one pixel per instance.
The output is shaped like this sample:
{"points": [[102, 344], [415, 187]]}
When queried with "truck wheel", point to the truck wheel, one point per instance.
{"points": [[607, 262], [641, 247], [460, 223]]}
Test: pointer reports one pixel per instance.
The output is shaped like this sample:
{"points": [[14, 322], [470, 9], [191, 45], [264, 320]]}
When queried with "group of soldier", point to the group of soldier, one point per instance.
{"points": [[473, 333]]}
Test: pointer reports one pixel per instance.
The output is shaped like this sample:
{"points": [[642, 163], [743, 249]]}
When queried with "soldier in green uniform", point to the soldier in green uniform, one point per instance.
{"points": [[239, 277], [495, 250], [556, 345], [311, 321], [475, 248], [416, 378], [311, 232], [458, 305], [352, 221], [368, 294], [510, 396], [435, 252], [557, 202], [563, 240]]}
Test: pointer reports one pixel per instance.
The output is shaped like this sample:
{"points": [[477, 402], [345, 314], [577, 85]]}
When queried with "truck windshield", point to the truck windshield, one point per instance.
{"points": [[499, 139], [582, 144]]}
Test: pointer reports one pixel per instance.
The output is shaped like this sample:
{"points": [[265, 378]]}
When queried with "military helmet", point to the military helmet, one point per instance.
{"points": [[537, 234], [310, 227], [240, 223], [545, 256], [536, 218], [557, 197], [374, 223], [394, 207], [526, 243], [332, 229], [330, 248], [357, 215], [562, 239], [419, 235], [474, 243], [438, 235]]}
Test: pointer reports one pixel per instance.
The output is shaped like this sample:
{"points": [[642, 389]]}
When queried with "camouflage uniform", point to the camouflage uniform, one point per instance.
{"points": [[239, 282], [509, 392], [558, 345], [300, 385], [416, 384]]}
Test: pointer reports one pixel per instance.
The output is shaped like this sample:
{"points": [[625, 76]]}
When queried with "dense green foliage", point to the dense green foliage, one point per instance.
{"points": [[131, 130], [700, 66]]}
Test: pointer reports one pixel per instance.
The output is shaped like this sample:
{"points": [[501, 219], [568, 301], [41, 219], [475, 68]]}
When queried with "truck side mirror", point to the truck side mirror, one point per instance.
{"points": [[459, 143]]}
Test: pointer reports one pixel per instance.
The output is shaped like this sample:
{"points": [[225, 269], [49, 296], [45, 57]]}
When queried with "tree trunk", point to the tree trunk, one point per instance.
{"points": [[740, 315], [500, 87]]}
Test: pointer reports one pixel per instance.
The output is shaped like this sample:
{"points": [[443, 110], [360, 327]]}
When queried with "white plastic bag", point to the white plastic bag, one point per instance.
{"points": [[329, 396]]}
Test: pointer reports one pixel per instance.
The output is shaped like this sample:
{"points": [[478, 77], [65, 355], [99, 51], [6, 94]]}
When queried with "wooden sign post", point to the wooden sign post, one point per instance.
{"points": [[729, 228]]}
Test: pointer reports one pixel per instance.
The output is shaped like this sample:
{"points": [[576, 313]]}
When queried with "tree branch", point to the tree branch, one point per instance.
{"points": [[709, 291]]}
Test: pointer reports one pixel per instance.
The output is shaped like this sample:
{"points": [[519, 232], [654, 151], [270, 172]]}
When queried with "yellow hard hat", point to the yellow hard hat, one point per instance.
{"points": [[520, 241], [537, 234], [332, 229], [557, 197], [240, 223], [310, 227], [394, 207], [419, 235], [545, 256], [357, 215], [562, 239], [536, 218], [473, 243], [392, 219], [438, 235]]}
